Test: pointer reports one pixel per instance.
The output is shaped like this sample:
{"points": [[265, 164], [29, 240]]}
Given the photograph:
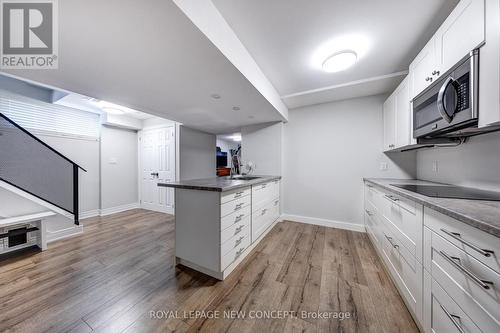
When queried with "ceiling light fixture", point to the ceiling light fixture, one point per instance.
{"points": [[112, 110], [215, 96], [236, 138], [236, 108], [340, 51], [339, 61]]}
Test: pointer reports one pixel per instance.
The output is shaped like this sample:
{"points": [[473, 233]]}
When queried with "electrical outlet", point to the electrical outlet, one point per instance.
{"points": [[435, 167], [384, 166]]}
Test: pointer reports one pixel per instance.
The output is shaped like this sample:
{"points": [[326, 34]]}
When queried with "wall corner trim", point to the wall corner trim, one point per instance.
{"points": [[323, 222]]}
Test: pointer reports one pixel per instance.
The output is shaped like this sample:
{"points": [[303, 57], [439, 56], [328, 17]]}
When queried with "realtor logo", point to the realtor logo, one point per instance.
{"points": [[29, 34]]}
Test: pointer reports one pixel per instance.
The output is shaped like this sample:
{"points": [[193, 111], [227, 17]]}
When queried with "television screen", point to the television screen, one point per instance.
{"points": [[222, 161]]}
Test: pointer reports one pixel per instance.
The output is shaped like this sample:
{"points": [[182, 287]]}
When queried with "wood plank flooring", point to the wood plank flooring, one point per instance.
{"points": [[110, 278]]}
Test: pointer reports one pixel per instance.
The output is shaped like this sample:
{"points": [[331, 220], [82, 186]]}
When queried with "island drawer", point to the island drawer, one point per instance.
{"points": [[235, 217], [235, 253], [234, 241], [235, 194], [239, 228], [263, 193], [234, 205]]}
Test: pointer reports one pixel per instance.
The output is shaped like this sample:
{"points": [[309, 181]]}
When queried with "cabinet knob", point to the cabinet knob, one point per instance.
{"points": [[428, 79], [436, 73]]}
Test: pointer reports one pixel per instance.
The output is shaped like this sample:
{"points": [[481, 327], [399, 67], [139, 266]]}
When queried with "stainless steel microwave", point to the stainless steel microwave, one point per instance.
{"points": [[450, 104]]}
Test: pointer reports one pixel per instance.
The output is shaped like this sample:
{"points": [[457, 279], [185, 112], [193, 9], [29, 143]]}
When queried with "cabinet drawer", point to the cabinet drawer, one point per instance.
{"points": [[235, 217], [234, 241], [235, 194], [239, 228], [405, 270], [480, 245], [373, 195], [473, 285], [234, 205], [263, 218], [235, 253], [407, 225], [446, 316], [263, 193]]}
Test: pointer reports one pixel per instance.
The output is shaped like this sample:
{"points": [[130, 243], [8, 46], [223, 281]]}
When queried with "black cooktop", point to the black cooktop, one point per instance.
{"points": [[450, 191]]}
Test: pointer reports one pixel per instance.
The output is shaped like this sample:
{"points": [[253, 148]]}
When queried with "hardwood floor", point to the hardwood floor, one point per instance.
{"points": [[112, 277]]}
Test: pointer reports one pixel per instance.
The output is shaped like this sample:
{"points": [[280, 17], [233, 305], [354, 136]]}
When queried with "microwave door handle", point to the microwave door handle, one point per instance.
{"points": [[440, 99]]}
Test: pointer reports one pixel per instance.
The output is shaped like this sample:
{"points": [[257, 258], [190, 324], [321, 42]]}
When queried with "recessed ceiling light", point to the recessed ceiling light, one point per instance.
{"points": [[236, 108], [215, 96], [339, 61], [112, 110]]}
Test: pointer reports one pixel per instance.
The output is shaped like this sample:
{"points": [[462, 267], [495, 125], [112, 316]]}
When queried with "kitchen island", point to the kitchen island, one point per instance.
{"points": [[218, 221]]}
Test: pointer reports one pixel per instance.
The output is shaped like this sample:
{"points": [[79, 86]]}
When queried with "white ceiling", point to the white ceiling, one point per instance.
{"points": [[282, 36], [147, 55]]}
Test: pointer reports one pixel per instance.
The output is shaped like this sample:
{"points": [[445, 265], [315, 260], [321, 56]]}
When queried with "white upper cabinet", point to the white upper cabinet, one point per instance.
{"points": [[462, 32], [397, 118], [489, 68], [421, 69], [390, 123], [403, 112]]}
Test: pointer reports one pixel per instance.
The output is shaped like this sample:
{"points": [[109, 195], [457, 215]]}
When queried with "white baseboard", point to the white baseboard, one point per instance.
{"points": [[119, 209], [323, 222], [64, 233], [89, 214]]}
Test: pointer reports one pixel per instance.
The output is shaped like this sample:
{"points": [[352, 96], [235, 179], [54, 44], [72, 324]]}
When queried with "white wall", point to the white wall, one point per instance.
{"points": [[263, 144], [196, 154], [226, 146], [84, 152], [328, 150], [119, 171], [474, 164]]}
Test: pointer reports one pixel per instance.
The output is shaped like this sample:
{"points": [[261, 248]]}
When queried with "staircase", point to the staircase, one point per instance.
{"points": [[36, 182]]}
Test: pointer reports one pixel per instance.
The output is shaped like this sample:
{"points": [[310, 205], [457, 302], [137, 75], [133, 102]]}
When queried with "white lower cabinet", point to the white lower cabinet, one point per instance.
{"points": [[447, 272]]}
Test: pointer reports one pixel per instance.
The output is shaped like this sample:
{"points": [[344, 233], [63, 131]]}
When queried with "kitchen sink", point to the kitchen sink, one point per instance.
{"points": [[244, 177]]}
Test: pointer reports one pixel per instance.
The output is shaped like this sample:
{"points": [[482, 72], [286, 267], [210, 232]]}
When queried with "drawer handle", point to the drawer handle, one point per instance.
{"points": [[368, 212], [238, 206], [238, 241], [276, 203], [390, 241], [453, 261], [264, 186], [458, 237], [238, 218], [263, 212], [369, 186], [240, 251], [391, 197], [238, 230], [453, 320]]}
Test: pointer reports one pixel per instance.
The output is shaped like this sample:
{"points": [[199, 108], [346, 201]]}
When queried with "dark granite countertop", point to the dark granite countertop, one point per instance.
{"points": [[484, 215], [218, 184]]}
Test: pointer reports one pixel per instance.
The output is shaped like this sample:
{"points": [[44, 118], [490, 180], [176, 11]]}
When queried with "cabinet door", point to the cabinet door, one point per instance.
{"points": [[389, 124], [421, 69], [489, 68], [462, 32], [403, 115]]}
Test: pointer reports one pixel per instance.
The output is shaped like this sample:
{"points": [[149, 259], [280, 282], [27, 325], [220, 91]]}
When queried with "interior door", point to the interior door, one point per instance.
{"points": [[157, 165]]}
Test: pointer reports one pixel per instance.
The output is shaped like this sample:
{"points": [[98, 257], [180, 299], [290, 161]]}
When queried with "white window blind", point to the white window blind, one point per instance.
{"points": [[37, 115]]}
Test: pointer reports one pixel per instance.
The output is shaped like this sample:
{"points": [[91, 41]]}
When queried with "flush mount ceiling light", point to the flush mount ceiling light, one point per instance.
{"points": [[340, 53], [215, 96], [236, 108], [236, 138], [112, 108], [339, 61]]}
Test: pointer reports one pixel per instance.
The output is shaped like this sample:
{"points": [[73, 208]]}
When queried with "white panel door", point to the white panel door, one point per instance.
{"points": [[157, 165]]}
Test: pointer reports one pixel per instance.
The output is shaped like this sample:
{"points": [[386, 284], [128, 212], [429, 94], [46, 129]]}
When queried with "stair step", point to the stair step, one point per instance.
{"points": [[25, 218]]}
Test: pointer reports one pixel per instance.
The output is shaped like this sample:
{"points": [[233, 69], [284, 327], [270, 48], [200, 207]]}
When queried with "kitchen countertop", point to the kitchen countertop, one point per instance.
{"points": [[483, 215], [217, 184]]}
